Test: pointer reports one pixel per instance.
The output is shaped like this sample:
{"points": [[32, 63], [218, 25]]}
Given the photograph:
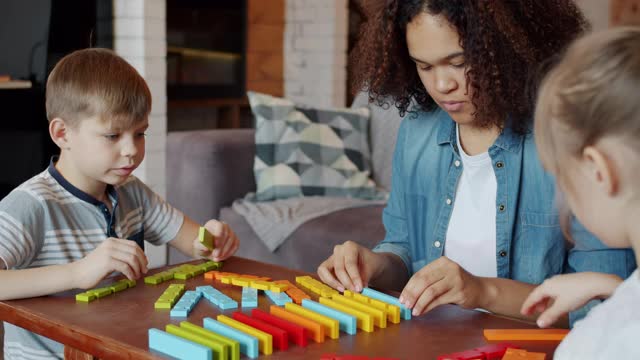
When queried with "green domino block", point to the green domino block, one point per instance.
{"points": [[152, 280], [234, 346], [182, 276], [100, 292], [166, 276], [222, 350], [162, 305], [198, 271], [205, 238], [118, 286], [85, 297]]}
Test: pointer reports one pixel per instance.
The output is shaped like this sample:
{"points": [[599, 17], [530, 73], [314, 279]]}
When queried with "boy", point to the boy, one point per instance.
{"points": [[86, 216]]}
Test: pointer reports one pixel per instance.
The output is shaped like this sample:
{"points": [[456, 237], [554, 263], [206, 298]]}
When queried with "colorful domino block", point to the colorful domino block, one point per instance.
{"points": [[525, 334], [177, 347], [364, 321], [315, 330], [487, 352], [217, 298], [248, 343], [97, 293], [234, 346], [249, 297], [220, 351], [169, 297], [516, 354], [405, 313], [206, 238], [186, 303], [279, 299], [294, 292], [265, 341], [392, 311], [316, 286], [279, 336], [330, 325], [379, 316], [347, 322], [295, 332]]}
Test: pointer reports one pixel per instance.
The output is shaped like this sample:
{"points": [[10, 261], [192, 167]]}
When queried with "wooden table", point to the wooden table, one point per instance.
{"points": [[115, 327]]}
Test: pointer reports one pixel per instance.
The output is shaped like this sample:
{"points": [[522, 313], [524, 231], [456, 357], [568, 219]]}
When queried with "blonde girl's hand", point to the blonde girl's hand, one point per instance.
{"points": [[441, 282], [562, 294], [351, 266], [226, 242], [111, 255]]}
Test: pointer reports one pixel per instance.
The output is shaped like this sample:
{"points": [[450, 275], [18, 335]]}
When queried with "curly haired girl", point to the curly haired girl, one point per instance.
{"points": [[471, 218]]}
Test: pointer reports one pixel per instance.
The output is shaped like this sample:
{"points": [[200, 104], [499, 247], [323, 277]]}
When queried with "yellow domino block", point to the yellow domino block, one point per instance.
{"points": [[392, 311], [331, 326], [379, 316], [260, 285], [239, 281], [265, 341], [226, 279], [364, 321], [278, 287]]}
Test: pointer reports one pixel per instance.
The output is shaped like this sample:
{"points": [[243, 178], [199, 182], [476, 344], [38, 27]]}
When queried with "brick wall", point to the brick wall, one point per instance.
{"points": [[139, 30], [315, 51]]}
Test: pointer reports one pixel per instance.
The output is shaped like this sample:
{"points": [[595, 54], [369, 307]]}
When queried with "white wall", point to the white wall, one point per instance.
{"points": [[596, 11], [315, 52], [139, 29]]}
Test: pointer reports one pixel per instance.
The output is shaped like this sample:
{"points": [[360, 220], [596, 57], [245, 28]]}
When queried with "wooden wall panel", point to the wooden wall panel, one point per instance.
{"points": [[624, 12], [265, 46]]}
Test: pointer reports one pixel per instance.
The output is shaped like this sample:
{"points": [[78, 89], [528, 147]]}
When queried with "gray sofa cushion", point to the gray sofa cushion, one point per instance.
{"points": [[312, 242]]}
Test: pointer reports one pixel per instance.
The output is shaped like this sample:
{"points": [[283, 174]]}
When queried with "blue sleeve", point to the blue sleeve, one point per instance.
{"points": [[590, 254], [396, 240]]}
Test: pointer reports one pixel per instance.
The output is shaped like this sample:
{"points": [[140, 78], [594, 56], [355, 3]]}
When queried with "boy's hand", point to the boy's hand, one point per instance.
{"points": [[111, 255], [351, 266], [562, 294], [225, 241], [441, 282]]}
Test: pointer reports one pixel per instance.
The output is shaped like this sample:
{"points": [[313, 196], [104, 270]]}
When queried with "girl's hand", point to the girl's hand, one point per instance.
{"points": [[562, 294], [350, 267], [441, 282]]}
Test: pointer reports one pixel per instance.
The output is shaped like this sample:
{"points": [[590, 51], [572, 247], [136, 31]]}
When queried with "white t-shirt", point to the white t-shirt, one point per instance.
{"points": [[471, 236], [611, 330]]}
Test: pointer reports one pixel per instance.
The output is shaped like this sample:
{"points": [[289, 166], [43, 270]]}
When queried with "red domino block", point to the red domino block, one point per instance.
{"points": [[495, 351], [327, 356], [351, 357], [280, 340], [296, 333]]}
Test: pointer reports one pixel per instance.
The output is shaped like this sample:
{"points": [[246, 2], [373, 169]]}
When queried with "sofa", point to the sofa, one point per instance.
{"points": [[208, 169]]}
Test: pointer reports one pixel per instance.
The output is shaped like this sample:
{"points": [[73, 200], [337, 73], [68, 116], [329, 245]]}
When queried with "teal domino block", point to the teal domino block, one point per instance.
{"points": [[406, 313], [177, 347], [248, 343], [348, 323], [278, 298]]}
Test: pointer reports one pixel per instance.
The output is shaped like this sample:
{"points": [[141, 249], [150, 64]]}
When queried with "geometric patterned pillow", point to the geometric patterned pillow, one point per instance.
{"points": [[303, 151]]}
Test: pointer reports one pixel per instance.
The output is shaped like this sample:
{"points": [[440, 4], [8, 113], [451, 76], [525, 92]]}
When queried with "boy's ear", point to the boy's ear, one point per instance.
{"points": [[601, 169], [58, 130]]}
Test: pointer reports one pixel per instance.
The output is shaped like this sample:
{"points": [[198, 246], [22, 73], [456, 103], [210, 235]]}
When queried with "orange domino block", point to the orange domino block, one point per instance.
{"points": [[278, 287], [294, 292], [331, 326], [265, 341], [217, 275], [379, 316], [392, 311], [525, 334], [364, 321], [517, 354], [316, 331]]}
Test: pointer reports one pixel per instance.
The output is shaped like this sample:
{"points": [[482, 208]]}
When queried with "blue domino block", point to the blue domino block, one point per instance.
{"points": [[348, 323], [248, 343], [406, 313], [179, 312], [249, 297], [278, 298], [177, 347]]}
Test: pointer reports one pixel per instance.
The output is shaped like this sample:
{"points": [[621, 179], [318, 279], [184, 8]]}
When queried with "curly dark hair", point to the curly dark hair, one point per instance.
{"points": [[504, 41]]}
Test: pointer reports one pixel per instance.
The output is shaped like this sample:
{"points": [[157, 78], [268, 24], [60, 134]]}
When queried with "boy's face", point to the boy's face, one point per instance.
{"points": [[99, 152]]}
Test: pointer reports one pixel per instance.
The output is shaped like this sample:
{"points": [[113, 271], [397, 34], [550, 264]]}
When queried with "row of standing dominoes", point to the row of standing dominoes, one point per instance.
{"points": [[262, 332]]}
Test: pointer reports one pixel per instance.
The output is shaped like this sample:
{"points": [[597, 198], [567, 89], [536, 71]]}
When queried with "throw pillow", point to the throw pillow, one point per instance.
{"points": [[306, 151]]}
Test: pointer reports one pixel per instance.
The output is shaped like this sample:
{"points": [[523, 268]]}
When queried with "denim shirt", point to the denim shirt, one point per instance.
{"points": [[529, 240]]}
